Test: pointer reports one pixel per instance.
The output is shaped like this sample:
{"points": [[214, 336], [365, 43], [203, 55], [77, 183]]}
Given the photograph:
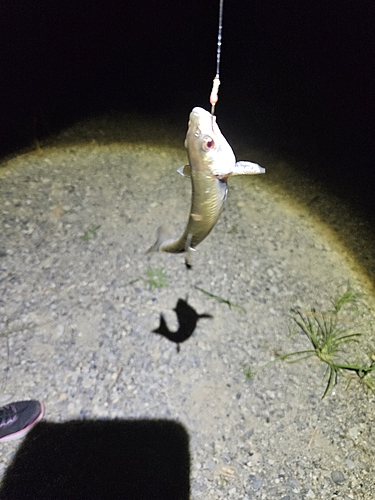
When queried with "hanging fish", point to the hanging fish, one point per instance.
{"points": [[211, 163]]}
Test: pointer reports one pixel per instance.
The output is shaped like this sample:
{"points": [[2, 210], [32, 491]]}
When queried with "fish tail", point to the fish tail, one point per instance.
{"points": [[161, 237]]}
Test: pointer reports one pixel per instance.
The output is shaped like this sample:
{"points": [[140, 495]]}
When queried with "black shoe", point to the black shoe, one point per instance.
{"points": [[16, 419]]}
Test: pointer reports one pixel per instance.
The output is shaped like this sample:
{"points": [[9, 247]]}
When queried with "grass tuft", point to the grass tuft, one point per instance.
{"points": [[248, 372], [90, 233], [330, 337], [155, 278]]}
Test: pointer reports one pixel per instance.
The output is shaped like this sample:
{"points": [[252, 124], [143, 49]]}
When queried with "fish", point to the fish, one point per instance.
{"points": [[211, 163], [187, 319]]}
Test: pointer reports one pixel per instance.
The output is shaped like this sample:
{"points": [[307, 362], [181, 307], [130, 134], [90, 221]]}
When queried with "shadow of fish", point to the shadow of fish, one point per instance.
{"points": [[211, 163], [187, 320]]}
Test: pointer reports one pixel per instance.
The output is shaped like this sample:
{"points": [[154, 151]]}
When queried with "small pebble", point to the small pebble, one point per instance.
{"points": [[338, 477]]}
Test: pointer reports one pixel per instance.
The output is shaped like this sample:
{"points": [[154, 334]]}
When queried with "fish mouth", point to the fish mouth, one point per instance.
{"points": [[201, 114], [201, 121]]}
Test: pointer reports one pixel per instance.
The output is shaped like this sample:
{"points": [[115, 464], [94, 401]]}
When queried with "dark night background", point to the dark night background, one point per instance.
{"points": [[297, 76]]}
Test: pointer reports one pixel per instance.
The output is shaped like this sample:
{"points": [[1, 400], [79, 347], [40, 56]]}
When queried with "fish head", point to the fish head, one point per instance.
{"points": [[208, 150]]}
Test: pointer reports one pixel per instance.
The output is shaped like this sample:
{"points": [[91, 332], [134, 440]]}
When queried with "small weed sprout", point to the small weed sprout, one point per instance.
{"points": [[90, 233], [155, 278], [248, 372]]}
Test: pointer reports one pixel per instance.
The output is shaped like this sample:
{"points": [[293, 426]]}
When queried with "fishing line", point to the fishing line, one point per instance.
{"points": [[215, 87]]}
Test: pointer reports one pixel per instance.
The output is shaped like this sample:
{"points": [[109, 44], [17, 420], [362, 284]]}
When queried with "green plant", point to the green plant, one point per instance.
{"points": [[248, 372], [90, 233], [155, 278], [330, 337], [220, 299], [350, 297]]}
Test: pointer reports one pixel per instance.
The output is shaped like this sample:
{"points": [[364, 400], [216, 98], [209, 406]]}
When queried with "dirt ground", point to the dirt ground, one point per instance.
{"points": [[77, 310]]}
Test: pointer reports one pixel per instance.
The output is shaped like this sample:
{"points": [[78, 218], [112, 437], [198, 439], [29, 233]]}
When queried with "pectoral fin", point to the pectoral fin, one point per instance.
{"points": [[188, 251], [247, 168], [185, 171]]}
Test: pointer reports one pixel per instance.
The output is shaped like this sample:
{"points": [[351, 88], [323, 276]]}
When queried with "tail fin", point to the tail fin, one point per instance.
{"points": [[161, 237]]}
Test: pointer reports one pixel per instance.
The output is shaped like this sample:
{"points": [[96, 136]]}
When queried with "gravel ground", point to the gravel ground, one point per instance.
{"points": [[76, 218]]}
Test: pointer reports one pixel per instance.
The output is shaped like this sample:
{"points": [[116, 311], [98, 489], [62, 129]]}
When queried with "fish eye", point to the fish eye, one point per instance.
{"points": [[208, 143]]}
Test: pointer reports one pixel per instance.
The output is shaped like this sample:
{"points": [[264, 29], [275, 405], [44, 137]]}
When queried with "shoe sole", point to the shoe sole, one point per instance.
{"points": [[25, 430]]}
